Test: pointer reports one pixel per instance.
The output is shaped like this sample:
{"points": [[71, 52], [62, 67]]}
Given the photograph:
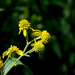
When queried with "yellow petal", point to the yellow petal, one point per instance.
{"points": [[36, 30], [32, 44], [5, 54], [37, 33], [31, 28], [24, 32], [20, 29], [19, 52]]}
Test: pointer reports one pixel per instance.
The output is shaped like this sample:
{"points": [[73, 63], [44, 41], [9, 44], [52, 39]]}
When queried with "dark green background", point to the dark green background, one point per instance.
{"points": [[55, 16]]}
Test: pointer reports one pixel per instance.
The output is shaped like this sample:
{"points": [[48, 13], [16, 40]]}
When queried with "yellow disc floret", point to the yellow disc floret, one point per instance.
{"points": [[44, 35], [23, 25], [11, 50], [38, 47]]}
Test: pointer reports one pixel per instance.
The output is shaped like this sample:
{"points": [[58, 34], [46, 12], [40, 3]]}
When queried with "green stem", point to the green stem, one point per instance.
{"points": [[7, 59], [19, 58], [11, 64], [27, 38], [33, 40], [25, 47], [30, 43], [28, 51]]}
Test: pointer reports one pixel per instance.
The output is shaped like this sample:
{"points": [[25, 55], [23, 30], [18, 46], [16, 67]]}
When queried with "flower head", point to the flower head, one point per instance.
{"points": [[44, 35], [12, 49], [1, 64], [38, 47], [23, 25]]}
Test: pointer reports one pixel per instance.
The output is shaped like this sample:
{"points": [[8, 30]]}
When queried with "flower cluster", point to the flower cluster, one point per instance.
{"points": [[37, 44], [23, 26], [43, 35], [12, 50]]}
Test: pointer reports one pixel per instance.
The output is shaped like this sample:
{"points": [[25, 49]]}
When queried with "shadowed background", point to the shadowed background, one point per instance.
{"points": [[55, 16]]}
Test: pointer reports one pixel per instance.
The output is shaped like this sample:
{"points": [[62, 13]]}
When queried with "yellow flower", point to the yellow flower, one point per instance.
{"points": [[23, 25], [44, 35], [1, 64], [38, 47], [11, 50]]}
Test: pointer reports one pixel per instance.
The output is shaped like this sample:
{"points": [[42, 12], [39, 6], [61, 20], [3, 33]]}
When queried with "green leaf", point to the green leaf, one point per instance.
{"points": [[57, 49], [11, 64], [72, 59]]}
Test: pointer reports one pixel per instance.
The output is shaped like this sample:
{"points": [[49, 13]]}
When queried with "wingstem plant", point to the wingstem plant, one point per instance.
{"points": [[37, 44]]}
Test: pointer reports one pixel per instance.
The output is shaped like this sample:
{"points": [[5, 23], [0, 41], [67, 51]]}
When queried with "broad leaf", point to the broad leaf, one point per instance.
{"points": [[11, 64]]}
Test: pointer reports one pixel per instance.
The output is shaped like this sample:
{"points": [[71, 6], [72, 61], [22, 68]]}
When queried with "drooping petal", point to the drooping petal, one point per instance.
{"points": [[37, 33], [20, 30], [5, 54], [37, 30], [25, 32], [31, 28], [19, 52]]}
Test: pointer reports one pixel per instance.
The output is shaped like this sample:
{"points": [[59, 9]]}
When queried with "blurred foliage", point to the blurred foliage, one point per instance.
{"points": [[57, 17]]}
